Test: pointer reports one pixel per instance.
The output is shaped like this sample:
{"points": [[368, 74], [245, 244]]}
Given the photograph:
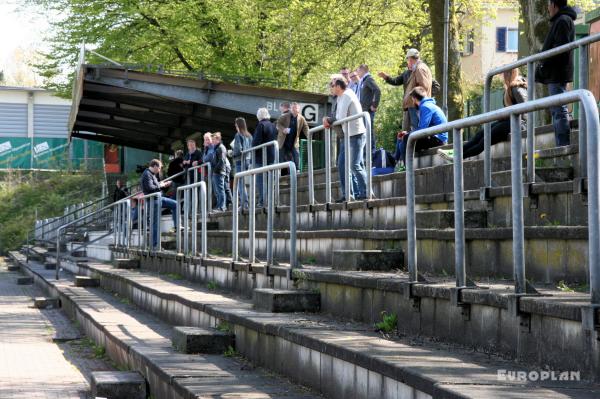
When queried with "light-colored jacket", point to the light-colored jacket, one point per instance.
{"points": [[348, 105], [421, 76], [283, 122]]}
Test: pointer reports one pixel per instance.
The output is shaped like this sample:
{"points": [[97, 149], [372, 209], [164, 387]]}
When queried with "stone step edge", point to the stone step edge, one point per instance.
{"points": [[387, 369], [159, 379]]}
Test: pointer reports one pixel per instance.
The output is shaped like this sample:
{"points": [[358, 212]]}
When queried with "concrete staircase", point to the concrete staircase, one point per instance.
{"points": [[433, 342]]}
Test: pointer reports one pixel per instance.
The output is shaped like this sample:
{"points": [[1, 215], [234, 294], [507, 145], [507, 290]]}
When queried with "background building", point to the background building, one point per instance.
{"points": [[33, 135]]}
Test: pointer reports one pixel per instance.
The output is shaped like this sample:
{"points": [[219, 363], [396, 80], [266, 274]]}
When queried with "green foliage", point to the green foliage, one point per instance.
{"points": [[49, 196], [224, 327], [388, 324], [212, 285], [564, 287], [230, 352]]}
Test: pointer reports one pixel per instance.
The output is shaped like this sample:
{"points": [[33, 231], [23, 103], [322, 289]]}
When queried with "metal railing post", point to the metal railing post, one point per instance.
{"points": [[327, 168], [369, 153], [270, 215], [234, 220], [487, 134], [186, 220], [517, 204], [293, 214], [203, 208], [311, 183], [347, 174], [530, 124], [584, 75], [194, 217], [264, 185], [411, 230], [178, 216], [252, 220], [459, 210]]}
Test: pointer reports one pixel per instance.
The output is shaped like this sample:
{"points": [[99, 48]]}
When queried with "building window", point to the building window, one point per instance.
{"points": [[507, 40], [468, 44]]}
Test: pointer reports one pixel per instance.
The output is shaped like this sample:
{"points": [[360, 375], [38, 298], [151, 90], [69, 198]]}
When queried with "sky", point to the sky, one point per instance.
{"points": [[19, 29]]}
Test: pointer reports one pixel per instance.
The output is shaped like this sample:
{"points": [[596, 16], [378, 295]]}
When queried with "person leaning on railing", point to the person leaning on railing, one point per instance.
{"points": [[515, 92], [348, 105], [150, 185], [265, 132], [429, 115], [241, 142]]}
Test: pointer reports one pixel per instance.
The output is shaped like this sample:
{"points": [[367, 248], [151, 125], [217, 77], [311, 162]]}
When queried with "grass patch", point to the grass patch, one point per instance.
{"points": [[212, 285], [174, 276], [224, 327], [388, 323], [564, 287]]}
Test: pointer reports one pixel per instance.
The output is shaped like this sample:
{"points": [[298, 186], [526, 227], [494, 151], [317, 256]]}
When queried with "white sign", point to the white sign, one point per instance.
{"points": [[4, 147], [310, 112], [41, 148]]}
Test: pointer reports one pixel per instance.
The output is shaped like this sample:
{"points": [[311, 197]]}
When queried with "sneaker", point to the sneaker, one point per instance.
{"points": [[447, 155]]}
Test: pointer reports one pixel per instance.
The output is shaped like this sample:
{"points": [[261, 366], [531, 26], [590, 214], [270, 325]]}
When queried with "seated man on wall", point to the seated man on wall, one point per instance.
{"points": [[150, 184], [429, 115]]}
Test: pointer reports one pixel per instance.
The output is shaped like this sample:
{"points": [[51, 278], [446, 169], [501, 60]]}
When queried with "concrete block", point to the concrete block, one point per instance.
{"points": [[367, 259], [43, 302], [202, 340], [24, 280], [280, 301], [123, 263], [85, 281], [118, 385]]}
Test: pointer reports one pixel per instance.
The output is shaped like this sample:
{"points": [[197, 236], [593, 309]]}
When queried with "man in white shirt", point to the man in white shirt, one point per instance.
{"points": [[348, 105]]}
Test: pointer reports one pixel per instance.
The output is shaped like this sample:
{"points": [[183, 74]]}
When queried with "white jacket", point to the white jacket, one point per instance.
{"points": [[348, 105]]}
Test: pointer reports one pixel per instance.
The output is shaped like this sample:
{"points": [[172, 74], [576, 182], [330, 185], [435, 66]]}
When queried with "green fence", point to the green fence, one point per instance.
{"points": [[318, 148]]}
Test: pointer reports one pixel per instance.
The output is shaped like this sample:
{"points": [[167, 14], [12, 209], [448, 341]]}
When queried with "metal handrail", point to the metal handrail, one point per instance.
{"points": [[271, 170], [348, 180], [146, 221], [193, 189], [263, 147], [583, 45], [208, 176], [76, 221], [590, 113]]}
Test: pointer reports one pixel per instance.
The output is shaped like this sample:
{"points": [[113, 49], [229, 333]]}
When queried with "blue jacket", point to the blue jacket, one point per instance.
{"points": [[431, 115]]}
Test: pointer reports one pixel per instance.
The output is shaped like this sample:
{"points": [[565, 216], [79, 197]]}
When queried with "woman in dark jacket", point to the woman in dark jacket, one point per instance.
{"points": [[265, 132], [515, 92]]}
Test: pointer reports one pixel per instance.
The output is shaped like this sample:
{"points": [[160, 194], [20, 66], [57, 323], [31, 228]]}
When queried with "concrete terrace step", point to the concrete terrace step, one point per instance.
{"points": [[340, 359], [552, 253], [140, 342]]}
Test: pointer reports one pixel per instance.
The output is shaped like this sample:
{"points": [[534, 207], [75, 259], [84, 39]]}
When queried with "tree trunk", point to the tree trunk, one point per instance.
{"points": [[455, 94]]}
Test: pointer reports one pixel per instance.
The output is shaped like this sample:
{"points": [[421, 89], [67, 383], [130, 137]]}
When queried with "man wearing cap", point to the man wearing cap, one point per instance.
{"points": [[417, 74]]}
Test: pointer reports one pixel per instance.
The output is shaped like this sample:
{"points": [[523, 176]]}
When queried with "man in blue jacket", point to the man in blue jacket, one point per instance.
{"points": [[429, 115]]}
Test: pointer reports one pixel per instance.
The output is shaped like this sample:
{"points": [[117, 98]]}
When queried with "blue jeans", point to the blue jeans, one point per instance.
{"points": [[560, 120], [164, 203], [218, 182], [358, 173], [241, 186], [414, 118]]}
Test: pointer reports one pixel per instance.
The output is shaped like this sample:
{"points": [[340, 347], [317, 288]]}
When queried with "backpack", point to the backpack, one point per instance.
{"points": [[383, 162]]}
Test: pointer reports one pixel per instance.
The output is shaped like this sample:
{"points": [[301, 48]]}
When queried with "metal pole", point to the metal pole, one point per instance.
{"points": [[530, 124], [158, 203], [252, 220], [445, 72], [411, 231], [270, 216], [194, 216], [293, 214], [368, 161], [327, 167], [588, 104], [584, 76], [487, 134], [277, 174], [264, 186], [348, 179], [516, 156], [204, 216], [186, 220], [311, 183], [129, 224], [459, 210], [57, 253], [178, 230], [235, 223]]}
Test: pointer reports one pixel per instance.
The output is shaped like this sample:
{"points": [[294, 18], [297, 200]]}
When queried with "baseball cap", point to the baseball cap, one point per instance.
{"points": [[412, 53]]}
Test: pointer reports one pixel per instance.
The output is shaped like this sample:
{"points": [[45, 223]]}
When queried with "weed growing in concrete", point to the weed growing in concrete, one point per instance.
{"points": [[230, 352], [174, 276], [562, 286], [388, 323], [212, 285], [224, 327]]}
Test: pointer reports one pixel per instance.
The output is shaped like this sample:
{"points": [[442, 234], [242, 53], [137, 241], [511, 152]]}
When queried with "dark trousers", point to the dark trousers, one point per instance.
{"points": [[475, 146], [420, 145]]}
